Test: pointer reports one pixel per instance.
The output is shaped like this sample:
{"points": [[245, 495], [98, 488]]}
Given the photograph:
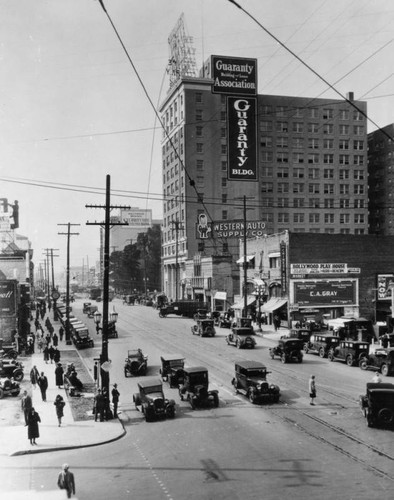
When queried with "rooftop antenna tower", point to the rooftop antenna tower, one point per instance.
{"points": [[182, 62]]}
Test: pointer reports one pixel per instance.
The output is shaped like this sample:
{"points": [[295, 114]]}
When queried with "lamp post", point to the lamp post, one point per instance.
{"points": [[260, 290]]}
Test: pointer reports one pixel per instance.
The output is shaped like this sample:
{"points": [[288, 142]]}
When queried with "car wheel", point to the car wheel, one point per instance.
{"points": [[1, 393], [16, 393], [170, 412], [126, 373], [252, 397], [215, 400], [306, 348], [350, 360], [322, 352], [363, 364], [18, 375], [330, 355], [192, 403], [384, 369], [385, 415]]}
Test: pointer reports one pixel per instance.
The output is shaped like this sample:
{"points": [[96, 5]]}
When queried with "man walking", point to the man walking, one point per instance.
{"points": [[66, 481], [42, 382], [27, 405], [115, 399]]}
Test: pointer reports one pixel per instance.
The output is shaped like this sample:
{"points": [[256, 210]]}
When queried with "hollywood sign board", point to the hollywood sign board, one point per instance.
{"points": [[302, 270]]}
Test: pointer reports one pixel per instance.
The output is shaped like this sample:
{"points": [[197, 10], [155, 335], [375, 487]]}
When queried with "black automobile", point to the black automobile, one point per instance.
{"points": [[377, 404], [321, 344], [303, 334], [350, 351], [171, 370], [241, 335], [251, 380], [195, 388], [288, 350], [136, 363], [204, 328], [150, 400], [86, 306], [9, 368], [9, 387], [381, 360]]}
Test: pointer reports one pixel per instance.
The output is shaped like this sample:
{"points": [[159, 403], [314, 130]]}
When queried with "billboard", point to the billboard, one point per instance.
{"points": [[136, 217], [228, 229], [325, 293], [8, 297], [234, 75], [385, 283], [241, 140]]}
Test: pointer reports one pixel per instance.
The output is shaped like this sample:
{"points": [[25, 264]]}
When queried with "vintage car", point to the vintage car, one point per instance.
{"points": [[204, 328], [251, 381], [9, 387], [303, 334], [381, 360], [350, 351], [171, 370], [321, 344], [136, 363], [195, 388], [224, 321], [91, 310], [377, 404], [241, 334], [9, 368], [81, 337], [112, 331], [150, 400], [85, 308], [8, 352], [183, 308], [288, 350]]}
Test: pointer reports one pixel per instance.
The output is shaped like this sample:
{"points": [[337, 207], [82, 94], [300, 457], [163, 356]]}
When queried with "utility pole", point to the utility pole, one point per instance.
{"points": [[54, 294], [245, 263], [107, 224], [178, 226], [68, 234]]}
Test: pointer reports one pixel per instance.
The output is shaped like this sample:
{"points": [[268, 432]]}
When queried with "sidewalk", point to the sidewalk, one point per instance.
{"points": [[71, 434]]}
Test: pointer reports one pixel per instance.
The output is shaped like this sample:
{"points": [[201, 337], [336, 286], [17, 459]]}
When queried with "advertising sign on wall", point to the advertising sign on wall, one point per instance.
{"points": [[325, 293], [136, 217], [385, 281], [234, 75], [8, 298], [242, 143], [228, 229], [301, 270]]}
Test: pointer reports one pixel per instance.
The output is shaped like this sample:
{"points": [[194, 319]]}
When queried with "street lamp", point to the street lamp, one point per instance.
{"points": [[113, 318], [260, 290]]}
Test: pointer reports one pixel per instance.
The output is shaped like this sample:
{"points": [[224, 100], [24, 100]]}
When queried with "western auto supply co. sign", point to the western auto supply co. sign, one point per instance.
{"points": [[242, 143]]}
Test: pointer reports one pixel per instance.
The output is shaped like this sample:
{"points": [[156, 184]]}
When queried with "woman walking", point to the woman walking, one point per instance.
{"points": [[59, 404], [312, 389], [32, 426], [59, 375]]}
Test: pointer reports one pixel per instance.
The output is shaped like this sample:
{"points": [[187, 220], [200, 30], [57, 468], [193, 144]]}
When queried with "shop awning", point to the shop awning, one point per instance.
{"points": [[248, 259], [220, 296], [240, 304], [272, 305]]}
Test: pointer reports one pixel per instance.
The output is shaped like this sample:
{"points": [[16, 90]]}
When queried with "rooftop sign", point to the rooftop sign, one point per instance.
{"points": [[234, 75]]}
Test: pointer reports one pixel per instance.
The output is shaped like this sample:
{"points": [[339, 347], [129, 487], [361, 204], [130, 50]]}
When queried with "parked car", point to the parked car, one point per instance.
{"points": [[150, 400], [321, 343], [9, 368], [251, 380], [241, 334], [9, 387], [91, 310], [195, 388], [136, 363], [112, 331], [171, 370], [85, 308], [350, 351], [81, 337], [377, 404], [381, 360], [224, 321], [183, 308], [204, 328], [288, 350], [303, 334]]}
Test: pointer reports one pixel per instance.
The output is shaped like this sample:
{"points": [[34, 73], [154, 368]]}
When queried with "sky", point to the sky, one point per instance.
{"points": [[73, 110]]}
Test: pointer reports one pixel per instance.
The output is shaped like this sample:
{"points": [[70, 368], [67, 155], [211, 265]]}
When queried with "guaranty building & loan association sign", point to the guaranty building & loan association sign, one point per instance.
{"points": [[234, 75]]}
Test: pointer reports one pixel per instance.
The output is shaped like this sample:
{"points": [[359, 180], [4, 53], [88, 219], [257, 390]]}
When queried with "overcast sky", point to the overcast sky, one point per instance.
{"points": [[72, 109]]}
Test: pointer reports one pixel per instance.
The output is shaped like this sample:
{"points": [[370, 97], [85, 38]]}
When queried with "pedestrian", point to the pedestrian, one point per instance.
{"points": [[32, 426], [34, 374], [66, 481], [59, 404], [42, 382], [59, 375], [40, 344], [56, 355], [99, 406], [61, 333], [26, 403], [55, 340], [51, 352], [312, 389], [115, 399], [46, 353], [376, 378]]}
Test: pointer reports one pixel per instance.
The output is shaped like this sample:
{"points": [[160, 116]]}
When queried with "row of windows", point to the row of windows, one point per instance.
{"points": [[300, 112], [313, 143], [311, 128], [282, 202], [312, 188], [327, 158], [327, 218], [313, 173]]}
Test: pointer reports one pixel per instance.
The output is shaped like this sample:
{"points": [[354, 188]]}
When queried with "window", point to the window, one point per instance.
{"points": [[223, 149], [344, 114], [313, 158], [314, 230], [314, 202], [266, 109], [298, 173], [358, 145], [344, 159], [198, 96], [359, 189], [266, 171], [314, 188], [359, 231], [328, 114], [313, 113], [343, 144], [358, 130], [298, 112], [359, 203], [267, 217], [200, 164], [283, 218], [224, 198], [199, 130], [298, 202], [343, 129], [266, 142], [224, 165], [281, 126], [344, 218], [223, 116], [328, 128], [199, 115], [314, 218], [298, 158], [267, 202], [282, 142], [282, 157], [329, 218], [283, 187], [201, 246], [298, 142], [298, 218], [283, 202], [267, 187], [328, 188], [225, 247], [282, 172], [328, 203], [328, 143], [313, 143], [313, 128], [265, 126], [328, 173], [344, 203], [267, 156], [357, 115], [343, 174], [224, 214], [358, 160], [224, 182], [344, 189], [298, 127], [280, 111], [328, 158], [358, 175], [199, 147], [223, 133], [298, 188], [313, 173], [344, 230]]}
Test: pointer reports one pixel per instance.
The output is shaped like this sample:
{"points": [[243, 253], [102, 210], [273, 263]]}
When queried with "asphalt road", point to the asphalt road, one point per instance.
{"points": [[236, 451]]}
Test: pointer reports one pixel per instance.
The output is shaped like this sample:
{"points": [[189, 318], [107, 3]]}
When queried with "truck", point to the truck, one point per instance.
{"points": [[187, 308]]}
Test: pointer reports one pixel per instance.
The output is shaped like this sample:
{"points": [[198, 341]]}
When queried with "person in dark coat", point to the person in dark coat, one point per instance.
{"points": [[56, 355], [59, 375], [66, 481], [61, 333], [42, 382], [115, 399], [32, 426], [34, 374], [99, 406], [74, 381], [55, 340], [26, 404], [51, 351], [45, 351], [59, 404]]}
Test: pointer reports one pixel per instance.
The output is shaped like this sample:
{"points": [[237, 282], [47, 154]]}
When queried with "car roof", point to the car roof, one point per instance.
{"points": [[195, 369], [149, 382], [250, 365], [171, 357], [380, 386]]}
